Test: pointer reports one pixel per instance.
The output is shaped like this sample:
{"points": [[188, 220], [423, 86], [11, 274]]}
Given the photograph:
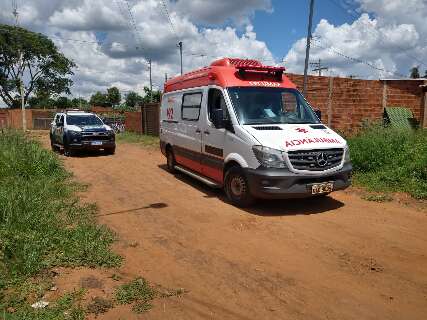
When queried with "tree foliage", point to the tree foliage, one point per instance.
{"points": [[113, 96], [133, 99], [155, 95], [415, 73], [35, 56], [99, 99]]}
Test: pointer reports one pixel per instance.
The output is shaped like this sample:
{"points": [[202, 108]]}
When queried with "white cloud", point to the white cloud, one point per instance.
{"points": [[393, 38], [220, 11], [121, 60]]}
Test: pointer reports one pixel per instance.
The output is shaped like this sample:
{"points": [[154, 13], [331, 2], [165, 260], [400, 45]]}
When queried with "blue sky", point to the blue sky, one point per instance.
{"points": [[289, 21]]}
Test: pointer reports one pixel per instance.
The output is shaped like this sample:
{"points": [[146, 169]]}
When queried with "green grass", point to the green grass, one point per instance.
{"points": [[390, 160], [42, 222], [67, 307], [138, 292], [145, 140]]}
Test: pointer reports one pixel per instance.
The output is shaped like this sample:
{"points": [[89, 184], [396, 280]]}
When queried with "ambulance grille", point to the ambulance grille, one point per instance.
{"points": [[316, 160]]}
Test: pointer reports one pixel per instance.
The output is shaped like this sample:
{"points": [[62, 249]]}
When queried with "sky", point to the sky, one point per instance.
{"points": [[111, 41]]}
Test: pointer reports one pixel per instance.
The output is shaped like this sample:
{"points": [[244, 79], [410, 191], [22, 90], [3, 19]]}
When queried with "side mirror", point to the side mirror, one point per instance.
{"points": [[218, 118], [318, 114]]}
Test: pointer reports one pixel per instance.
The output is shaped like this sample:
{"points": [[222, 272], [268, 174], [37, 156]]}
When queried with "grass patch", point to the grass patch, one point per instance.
{"points": [[375, 197], [67, 307], [137, 292], [131, 137], [42, 222], [390, 160]]}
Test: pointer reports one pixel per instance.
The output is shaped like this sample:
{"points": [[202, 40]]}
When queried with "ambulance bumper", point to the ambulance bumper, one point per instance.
{"points": [[270, 183]]}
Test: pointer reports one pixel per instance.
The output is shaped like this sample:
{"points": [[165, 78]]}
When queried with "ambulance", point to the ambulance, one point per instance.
{"points": [[245, 127]]}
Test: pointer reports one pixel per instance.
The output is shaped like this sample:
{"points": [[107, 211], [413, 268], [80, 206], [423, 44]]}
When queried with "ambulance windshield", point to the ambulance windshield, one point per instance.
{"points": [[262, 105]]}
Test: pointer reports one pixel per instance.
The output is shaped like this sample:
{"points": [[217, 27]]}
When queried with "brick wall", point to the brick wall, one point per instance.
{"points": [[15, 119], [133, 122], [345, 102]]}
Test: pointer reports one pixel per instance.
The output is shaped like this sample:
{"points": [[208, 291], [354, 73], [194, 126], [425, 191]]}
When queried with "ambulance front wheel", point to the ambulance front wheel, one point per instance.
{"points": [[170, 158], [237, 188]]}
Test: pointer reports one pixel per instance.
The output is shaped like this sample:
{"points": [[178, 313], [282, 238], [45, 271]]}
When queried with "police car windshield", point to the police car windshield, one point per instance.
{"points": [[83, 120], [271, 106]]}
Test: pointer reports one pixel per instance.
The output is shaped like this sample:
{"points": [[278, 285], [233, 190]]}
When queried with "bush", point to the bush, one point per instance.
{"points": [[387, 159], [42, 223]]}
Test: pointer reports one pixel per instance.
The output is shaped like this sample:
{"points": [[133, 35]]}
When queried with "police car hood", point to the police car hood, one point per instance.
{"points": [[91, 128], [289, 137]]}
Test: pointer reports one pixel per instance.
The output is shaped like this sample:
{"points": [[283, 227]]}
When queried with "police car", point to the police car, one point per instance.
{"points": [[79, 130]]}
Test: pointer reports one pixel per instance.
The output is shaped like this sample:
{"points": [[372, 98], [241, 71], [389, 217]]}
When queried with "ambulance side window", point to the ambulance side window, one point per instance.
{"points": [[216, 101], [191, 103]]}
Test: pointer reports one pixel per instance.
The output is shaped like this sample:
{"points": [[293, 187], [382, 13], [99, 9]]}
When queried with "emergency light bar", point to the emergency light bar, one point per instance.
{"points": [[277, 72]]}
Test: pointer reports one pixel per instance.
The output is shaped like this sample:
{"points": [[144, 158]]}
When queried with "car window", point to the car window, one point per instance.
{"points": [[84, 120], [191, 103]]}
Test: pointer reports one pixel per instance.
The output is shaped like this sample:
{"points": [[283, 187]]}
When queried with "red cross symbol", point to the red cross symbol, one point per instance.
{"points": [[302, 130]]}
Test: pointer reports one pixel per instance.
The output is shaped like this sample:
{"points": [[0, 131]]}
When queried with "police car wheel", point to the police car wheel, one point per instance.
{"points": [[110, 151], [237, 188], [170, 160], [68, 152]]}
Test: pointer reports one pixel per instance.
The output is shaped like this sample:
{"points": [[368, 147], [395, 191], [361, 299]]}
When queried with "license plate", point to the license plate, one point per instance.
{"points": [[325, 187], [97, 143]]}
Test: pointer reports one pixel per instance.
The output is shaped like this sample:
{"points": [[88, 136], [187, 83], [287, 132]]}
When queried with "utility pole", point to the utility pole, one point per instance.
{"points": [[318, 67], [151, 82], [307, 51], [20, 72], [166, 77], [180, 53]]}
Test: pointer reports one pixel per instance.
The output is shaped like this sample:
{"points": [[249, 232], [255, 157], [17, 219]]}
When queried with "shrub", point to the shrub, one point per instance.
{"points": [[387, 159]]}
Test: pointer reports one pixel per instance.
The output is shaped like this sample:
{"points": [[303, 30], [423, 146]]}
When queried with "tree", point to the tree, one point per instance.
{"points": [[43, 66], [113, 96], [415, 73], [155, 95], [99, 99], [79, 103], [133, 99], [63, 103], [425, 75]]}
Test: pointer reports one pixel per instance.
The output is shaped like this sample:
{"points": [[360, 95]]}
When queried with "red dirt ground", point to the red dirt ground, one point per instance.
{"points": [[340, 257]]}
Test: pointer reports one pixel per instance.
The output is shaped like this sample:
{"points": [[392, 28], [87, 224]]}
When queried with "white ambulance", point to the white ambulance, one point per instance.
{"points": [[245, 127]]}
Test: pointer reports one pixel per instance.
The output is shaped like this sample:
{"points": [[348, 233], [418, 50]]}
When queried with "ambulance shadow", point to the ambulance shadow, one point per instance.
{"points": [[305, 206], [263, 207]]}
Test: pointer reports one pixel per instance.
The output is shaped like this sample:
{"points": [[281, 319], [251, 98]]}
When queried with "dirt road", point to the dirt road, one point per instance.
{"points": [[335, 258]]}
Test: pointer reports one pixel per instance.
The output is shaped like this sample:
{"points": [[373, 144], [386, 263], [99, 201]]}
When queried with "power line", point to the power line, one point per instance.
{"points": [[318, 67], [166, 11], [353, 14], [357, 60]]}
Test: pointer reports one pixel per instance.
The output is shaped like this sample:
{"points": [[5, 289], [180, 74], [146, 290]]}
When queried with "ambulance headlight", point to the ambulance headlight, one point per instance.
{"points": [[268, 157], [347, 154]]}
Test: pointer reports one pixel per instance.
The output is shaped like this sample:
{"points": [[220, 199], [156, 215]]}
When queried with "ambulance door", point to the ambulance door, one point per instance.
{"points": [[187, 149], [213, 139]]}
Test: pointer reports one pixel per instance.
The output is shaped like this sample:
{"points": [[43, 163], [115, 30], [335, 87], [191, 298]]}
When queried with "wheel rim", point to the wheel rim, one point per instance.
{"points": [[237, 186]]}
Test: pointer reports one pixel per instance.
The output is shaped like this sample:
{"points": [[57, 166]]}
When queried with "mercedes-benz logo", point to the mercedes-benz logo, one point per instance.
{"points": [[322, 159]]}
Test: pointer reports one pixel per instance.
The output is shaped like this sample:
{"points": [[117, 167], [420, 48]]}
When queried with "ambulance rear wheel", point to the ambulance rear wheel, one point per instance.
{"points": [[237, 188], [170, 158]]}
